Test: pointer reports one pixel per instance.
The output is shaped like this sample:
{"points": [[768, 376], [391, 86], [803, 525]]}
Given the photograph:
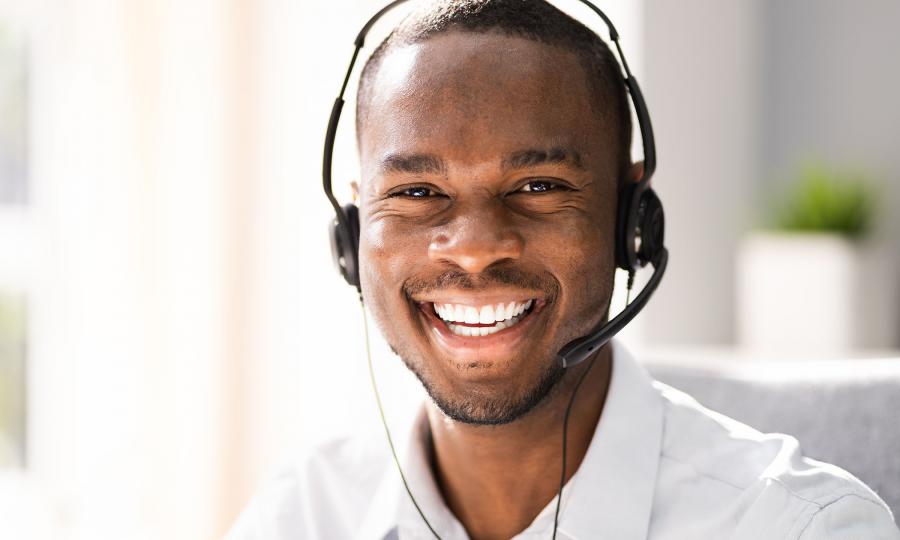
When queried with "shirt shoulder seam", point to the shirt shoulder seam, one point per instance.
{"points": [[828, 498], [794, 494], [702, 473], [822, 507]]}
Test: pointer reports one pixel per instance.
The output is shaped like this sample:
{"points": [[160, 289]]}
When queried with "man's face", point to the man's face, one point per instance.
{"points": [[488, 194]]}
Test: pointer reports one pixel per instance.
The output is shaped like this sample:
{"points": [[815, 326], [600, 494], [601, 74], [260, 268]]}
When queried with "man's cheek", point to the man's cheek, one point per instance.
{"points": [[385, 265], [375, 252]]}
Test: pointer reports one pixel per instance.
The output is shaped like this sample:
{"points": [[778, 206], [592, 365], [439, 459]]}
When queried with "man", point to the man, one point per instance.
{"points": [[494, 138]]}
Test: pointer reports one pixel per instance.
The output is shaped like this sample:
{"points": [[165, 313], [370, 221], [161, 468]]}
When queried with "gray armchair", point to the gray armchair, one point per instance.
{"points": [[843, 412]]}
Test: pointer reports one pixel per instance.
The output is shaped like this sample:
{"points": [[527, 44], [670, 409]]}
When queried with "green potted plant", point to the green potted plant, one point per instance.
{"points": [[824, 201], [807, 282]]}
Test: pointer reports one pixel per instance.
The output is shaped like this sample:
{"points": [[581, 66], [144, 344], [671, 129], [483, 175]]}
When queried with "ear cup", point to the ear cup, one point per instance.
{"points": [[640, 227], [651, 225], [626, 254], [345, 243]]}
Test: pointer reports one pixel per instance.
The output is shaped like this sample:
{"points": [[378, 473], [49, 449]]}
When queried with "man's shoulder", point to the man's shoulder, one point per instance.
{"points": [[336, 476], [760, 482], [355, 459]]}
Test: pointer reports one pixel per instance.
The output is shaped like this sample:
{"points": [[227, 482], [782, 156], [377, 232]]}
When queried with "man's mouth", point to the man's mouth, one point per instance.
{"points": [[482, 327], [478, 321]]}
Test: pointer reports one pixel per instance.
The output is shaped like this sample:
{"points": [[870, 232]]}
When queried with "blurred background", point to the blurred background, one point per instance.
{"points": [[171, 327]]}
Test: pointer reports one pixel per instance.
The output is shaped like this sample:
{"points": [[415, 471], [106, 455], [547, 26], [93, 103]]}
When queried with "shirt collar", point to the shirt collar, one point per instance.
{"points": [[391, 506], [612, 491]]}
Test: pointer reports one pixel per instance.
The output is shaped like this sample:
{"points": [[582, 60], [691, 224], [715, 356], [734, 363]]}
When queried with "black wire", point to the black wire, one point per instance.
{"points": [[562, 476], [387, 431], [628, 287]]}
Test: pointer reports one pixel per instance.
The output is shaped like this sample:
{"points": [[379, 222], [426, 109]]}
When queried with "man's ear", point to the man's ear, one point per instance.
{"points": [[354, 187]]}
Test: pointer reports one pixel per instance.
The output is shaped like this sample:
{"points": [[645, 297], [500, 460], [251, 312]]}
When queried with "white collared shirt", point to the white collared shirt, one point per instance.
{"points": [[659, 467]]}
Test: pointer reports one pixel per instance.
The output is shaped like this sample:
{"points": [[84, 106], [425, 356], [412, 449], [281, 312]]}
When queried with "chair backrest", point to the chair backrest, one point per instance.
{"points": [[843, 412]]}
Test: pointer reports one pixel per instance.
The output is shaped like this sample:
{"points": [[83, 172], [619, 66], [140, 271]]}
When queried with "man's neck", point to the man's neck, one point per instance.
{"points": [[497, 479]]}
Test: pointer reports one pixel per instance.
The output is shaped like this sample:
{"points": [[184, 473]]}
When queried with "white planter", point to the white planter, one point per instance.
{"points": [[816, 294]]}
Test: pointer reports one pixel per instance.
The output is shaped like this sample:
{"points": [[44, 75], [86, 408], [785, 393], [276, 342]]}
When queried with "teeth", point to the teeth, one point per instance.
{"points": [[481, 315], [476, 331], [490, 314], [501, 316], [447, 312]]}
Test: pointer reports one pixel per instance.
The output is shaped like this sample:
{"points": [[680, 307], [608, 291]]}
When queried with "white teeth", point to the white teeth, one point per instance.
{"points": [[501, 316], [487, 315], [476, 331]]}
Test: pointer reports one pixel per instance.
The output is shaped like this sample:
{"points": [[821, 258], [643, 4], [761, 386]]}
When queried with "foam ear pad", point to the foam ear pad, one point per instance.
{"points": [[640, 228], [651, 225], [345, 243], [626, 254]]}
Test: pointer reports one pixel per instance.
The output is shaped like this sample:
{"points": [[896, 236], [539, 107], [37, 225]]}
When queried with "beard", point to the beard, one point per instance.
{"points": [[474, 407], [486, 410]]}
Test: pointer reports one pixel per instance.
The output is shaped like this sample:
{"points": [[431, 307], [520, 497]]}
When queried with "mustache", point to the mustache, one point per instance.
{"points": [[490, 277]]}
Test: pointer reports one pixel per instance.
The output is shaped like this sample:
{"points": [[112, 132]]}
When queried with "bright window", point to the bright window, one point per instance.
{"points": [[13, 229]]}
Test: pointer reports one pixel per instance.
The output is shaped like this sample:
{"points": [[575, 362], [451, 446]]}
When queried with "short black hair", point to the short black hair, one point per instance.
{"points": [[536, 20]]}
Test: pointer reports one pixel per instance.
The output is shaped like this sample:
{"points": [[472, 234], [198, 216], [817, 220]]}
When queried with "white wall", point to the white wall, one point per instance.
{"points": [[703, 91]]}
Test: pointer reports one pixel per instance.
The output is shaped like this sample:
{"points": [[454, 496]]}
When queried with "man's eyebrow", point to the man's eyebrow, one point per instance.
{"points": [[413, 164], [522, 159]]}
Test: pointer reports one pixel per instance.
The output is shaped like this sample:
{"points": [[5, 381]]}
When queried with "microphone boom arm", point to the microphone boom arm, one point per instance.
{"points": [[579, 349]]}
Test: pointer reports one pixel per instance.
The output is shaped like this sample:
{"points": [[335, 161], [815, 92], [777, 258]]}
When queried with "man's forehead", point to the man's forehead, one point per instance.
{"points": [[469, 57], [472, 92]]}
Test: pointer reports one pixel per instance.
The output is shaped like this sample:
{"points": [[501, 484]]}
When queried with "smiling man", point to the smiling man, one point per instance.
{"points": [[494, 140]]}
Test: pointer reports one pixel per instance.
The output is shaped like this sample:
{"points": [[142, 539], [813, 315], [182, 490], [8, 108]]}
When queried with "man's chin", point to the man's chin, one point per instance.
{"points": [[490, 404]]}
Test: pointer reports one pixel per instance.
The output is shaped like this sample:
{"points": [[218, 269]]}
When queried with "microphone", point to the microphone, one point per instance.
{"points": [[579, 349]]}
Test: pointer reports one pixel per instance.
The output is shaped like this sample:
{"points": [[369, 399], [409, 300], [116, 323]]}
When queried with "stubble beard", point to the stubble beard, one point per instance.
{"points": [[480, 408], [486, 410]]}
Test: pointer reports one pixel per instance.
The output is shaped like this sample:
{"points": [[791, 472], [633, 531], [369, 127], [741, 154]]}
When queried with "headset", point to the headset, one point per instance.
{"points": [[640, 222], [640, 227]]}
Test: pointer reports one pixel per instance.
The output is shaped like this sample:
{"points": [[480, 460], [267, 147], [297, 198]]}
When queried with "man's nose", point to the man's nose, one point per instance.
{"points": [[476, 238]]}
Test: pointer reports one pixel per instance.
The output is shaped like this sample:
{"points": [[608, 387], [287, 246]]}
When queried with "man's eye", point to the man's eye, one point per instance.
{"points": [[539, 186], [415, 192]]}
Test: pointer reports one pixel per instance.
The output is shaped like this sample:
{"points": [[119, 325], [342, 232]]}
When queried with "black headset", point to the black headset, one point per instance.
{"points": [[640, 222]]}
